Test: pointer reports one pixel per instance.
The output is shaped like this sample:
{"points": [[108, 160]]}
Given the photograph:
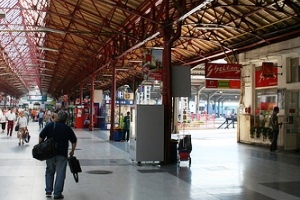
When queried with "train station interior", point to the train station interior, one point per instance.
{"points": [[209, 71]]}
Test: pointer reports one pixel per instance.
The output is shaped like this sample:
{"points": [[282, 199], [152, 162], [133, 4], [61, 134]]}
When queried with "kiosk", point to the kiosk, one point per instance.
{"points": [[147, 125]]}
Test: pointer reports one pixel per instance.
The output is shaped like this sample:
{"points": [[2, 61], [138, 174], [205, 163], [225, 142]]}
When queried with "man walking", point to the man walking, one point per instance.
{"points": [[11, 118], [126, 126]]}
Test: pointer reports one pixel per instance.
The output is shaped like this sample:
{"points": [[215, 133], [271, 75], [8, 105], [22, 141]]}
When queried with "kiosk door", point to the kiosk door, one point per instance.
{"points": [[291, 121]]}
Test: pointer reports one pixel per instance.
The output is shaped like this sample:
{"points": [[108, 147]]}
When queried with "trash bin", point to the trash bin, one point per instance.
{"points": [[118, 132], [173, 157]]}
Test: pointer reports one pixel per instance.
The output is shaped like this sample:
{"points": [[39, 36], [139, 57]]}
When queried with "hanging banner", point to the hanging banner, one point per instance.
{"points": [[262, 81], [152, 62], [229, 84], [267, 69], [223, 71]]}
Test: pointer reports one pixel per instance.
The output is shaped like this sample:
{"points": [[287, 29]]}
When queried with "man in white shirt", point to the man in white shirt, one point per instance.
{"points": [[11, 118]]}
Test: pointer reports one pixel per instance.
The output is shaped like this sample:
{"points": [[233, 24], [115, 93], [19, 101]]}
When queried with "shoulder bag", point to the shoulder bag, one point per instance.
{"points": [[74, 167], [17, 125], [46, 149], [27, 136]]}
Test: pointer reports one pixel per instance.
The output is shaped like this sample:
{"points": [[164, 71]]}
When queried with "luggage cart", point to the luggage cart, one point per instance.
{"points": [[184, 149]]}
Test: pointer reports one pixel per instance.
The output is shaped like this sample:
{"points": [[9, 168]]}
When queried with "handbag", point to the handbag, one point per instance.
{"points": [[46, 149], [17, 125], [74, 167], [27, 137]]}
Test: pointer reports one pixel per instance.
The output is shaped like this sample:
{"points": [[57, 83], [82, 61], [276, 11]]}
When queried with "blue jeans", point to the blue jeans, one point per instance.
{"points": [[41, 123], [58, 165]]}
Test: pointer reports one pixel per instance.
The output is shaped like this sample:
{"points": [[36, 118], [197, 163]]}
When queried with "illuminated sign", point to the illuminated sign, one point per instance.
{"points": [[36, 97]]}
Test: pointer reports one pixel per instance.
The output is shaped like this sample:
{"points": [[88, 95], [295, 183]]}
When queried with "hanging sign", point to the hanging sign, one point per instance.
{"points": [[267, 69], [152, 62], [223, 71], [262, 81], [230, 84]]}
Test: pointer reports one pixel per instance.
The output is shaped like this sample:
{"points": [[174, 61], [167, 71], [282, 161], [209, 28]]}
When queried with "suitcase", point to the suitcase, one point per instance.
{"points": [[74, 167]]}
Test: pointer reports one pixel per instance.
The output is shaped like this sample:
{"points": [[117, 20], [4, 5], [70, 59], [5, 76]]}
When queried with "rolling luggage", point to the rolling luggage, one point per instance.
{"points": [[74, 167]]}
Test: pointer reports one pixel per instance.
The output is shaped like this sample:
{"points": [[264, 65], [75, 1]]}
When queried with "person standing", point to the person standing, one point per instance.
{"points": [[126, 128], [41, 119], [11, 118], [56, 166], [275, 126], [2, 120], [48, 116], [23, 123]]}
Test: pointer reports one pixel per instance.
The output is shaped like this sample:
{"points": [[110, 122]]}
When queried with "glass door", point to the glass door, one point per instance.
{"points": [[291, 120]]}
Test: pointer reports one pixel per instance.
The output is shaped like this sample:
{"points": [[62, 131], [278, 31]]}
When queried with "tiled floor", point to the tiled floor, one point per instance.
{"points": [[220, 169]]}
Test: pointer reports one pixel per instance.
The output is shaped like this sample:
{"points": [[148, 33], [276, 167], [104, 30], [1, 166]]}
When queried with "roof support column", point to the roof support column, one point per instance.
{"points": [[81, 94], [167, 83], [113, 102], [91, 125]]}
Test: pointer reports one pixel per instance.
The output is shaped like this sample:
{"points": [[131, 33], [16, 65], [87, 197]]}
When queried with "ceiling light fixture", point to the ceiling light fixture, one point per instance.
{"points": [[46, 75], [135, 61], [208, 28], [194, 10], [48, 49], [47, 61], [3, 74], [32, 65], [45, 29]]}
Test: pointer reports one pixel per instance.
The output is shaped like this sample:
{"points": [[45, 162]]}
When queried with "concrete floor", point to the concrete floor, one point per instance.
{"points": [[221, 168]]}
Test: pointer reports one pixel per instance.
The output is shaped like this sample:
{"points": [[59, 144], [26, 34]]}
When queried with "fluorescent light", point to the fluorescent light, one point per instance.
{"points": [[3, 74], [48, 49], [107, 75], [197, 77], [32, 65], [135, 61], [46, 69], [208, 27], [47, 61], [194, 10], [122, 69], [46, 75], [45, 29]]}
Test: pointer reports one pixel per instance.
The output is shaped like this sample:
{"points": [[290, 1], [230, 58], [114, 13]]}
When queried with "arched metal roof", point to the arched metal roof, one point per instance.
{"points": [[56, 45]]}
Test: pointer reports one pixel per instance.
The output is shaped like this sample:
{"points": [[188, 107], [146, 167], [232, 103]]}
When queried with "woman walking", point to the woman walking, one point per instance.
{"points": [[22, 122], [2, 120]]}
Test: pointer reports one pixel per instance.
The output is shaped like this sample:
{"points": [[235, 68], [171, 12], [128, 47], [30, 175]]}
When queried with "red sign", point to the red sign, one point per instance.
{"points": [[231, 84], [223, 71], [155, 75], [235, 84], [263, 81], [211, 83], [267, 69]]}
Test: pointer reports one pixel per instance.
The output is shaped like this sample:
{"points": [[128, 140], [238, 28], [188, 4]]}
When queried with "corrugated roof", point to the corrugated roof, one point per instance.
{"points": [[57, 45]]}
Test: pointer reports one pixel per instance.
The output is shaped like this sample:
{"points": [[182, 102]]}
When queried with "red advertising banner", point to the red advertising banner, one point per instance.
{"points": [[155, 75], [223, 71], [211, 83], [263, 81], [267, 69], [235, 84], [230, 84]]}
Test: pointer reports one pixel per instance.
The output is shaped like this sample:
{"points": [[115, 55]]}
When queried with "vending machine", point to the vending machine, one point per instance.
{"points": [[78, 123]]}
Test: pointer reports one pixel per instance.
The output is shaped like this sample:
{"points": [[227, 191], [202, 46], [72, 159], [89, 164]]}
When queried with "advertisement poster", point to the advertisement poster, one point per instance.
{"points": [[223, 71], [263, 81], [152, 64]]}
